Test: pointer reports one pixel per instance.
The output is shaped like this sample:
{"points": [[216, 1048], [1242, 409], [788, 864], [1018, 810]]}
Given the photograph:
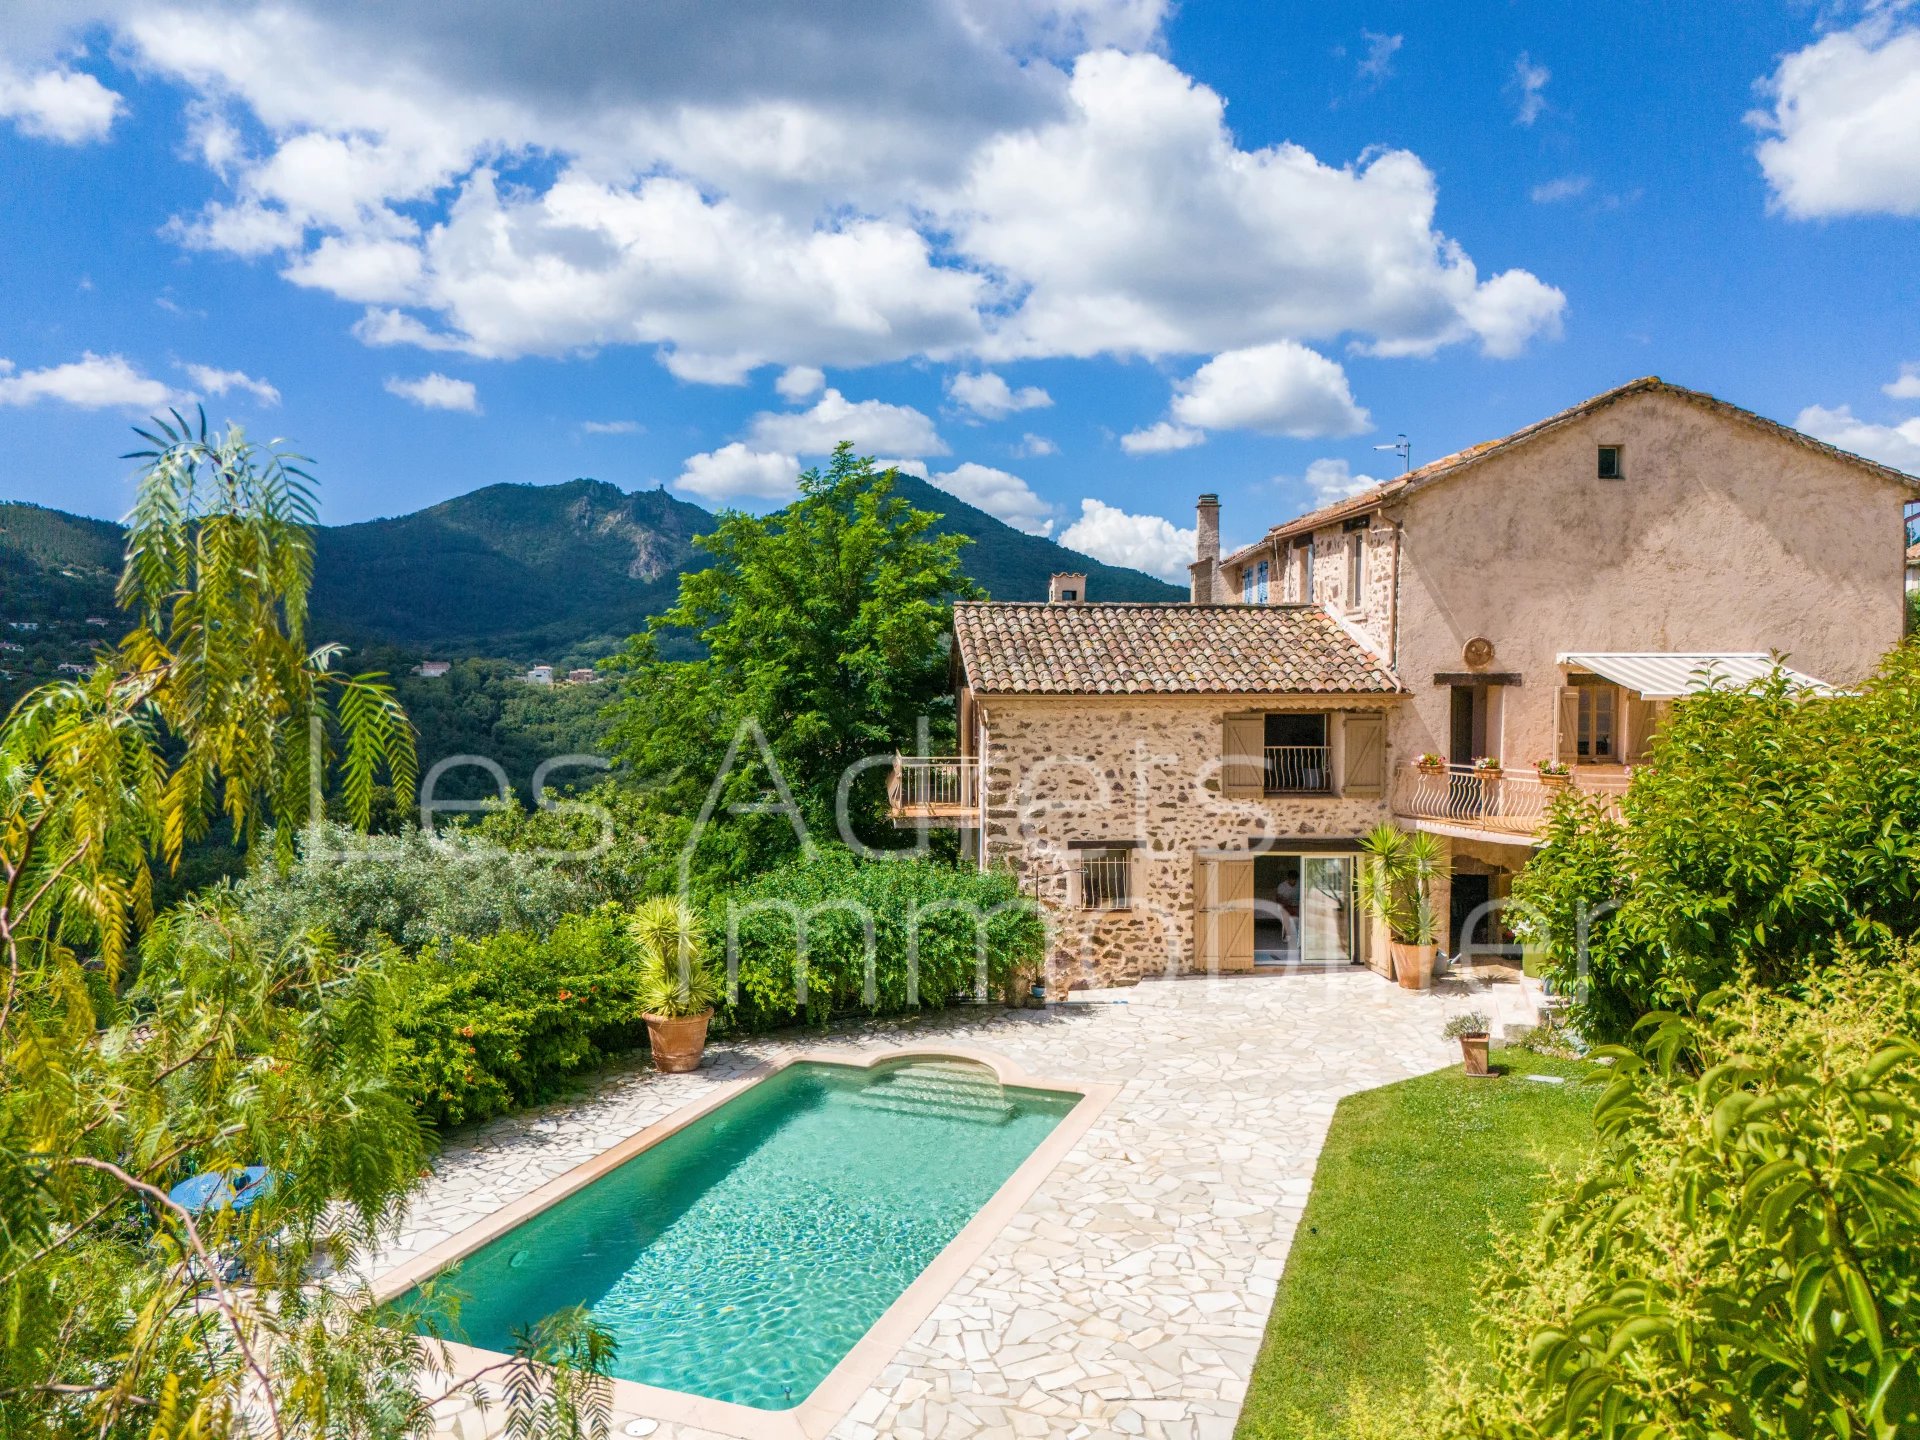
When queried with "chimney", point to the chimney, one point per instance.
{"points": [[1205, 570], [1065, 587]]}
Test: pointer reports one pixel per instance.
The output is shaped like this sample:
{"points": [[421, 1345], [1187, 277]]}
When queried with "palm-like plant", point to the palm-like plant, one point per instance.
{"points": [[677, 977], [1397, 879]]}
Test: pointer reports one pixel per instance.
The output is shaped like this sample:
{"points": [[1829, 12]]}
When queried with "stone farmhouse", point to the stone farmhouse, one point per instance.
{"points": [[1183, 786]]}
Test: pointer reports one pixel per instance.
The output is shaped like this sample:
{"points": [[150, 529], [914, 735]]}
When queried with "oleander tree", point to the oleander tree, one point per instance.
{"points": [[139, 1050]]}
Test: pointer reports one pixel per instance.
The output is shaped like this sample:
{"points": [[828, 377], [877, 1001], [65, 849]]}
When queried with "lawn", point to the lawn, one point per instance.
{"points": [[1398, 1225]]}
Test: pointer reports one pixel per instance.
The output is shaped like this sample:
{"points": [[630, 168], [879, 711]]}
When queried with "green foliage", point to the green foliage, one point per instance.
{"points": [[1471, 1023], [621, 843], [416, 890], [1397, 879], [1769, 830], [677, 976], [124, 1316], [882, 937], [825, 628], [508, 1020], [1742, 1256]]}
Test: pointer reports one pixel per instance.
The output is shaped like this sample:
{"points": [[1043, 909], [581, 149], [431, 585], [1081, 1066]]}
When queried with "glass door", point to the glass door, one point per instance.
{"points": [[1328, 918]]}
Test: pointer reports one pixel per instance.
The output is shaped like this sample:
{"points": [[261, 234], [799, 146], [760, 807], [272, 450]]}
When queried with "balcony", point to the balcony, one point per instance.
{"points": [[1507, 805], [926, 789], [1299, 770]]}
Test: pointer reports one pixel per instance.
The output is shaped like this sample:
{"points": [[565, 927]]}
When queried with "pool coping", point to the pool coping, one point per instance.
{"points": [[843, 1385]]}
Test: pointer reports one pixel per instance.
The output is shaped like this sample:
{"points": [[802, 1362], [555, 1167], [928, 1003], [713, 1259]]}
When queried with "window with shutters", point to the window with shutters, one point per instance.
{"points": [[1260, 584], [1356, 571], [1303, 752]]}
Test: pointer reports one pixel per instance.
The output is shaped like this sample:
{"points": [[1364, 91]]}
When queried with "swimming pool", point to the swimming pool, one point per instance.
{"points": [[743, 1256]]}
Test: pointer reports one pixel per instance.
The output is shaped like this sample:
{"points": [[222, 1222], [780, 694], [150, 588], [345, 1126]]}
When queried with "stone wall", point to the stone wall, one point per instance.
{"points": [[1142, 770]]}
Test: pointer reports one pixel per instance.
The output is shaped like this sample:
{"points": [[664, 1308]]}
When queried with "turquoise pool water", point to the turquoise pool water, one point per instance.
{"points": [[741, 1258]]}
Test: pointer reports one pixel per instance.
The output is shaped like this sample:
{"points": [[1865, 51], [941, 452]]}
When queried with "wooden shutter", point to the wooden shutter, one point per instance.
{"points": [[1243, 741], [1364, 771], [1640, 724], [1568, 745], [1222, 914]]}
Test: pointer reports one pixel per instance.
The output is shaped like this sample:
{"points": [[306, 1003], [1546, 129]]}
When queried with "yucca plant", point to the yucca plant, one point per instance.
{"points": [[1397, 877], [677, 977]]}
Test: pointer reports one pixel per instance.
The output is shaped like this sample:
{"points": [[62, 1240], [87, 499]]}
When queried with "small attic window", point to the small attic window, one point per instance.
{"points": [[1610, 462]]}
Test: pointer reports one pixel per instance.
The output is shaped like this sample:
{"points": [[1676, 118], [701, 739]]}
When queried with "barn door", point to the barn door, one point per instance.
{"points": [[1222, 914]]}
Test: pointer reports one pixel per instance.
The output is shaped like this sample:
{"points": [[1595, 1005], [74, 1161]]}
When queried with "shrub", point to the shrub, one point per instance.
{"points": [[505, 1021], [415, 890], [1770, 830], [837, 897], [1742, 1255]]}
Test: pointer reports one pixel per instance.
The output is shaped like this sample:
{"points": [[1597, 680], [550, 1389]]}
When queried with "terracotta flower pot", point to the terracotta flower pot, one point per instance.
{"points": [[1555, 782], [1473, 1054], [677, 1042], [1413, 965]]}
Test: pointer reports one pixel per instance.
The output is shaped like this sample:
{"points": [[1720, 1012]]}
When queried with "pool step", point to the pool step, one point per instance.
{"points": [[953, 1092]]}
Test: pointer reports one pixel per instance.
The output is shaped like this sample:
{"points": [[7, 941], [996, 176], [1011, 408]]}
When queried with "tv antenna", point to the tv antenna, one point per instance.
{"points": [[1402, 447]]}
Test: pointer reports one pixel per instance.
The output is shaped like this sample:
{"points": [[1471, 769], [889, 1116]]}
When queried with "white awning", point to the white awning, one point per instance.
{"points": [[1663, 675]]}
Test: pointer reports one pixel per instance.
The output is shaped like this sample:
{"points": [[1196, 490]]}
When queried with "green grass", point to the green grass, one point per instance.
{"points": [[1399, 1223]]}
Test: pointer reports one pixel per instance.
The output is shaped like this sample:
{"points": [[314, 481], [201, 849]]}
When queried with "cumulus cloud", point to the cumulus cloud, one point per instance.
{"points": [[735, 472], [1528, 87], [1032, 446], [67, 106], [797, 382], [873, 427], [1002, 495], [1139, 226], [218, 382], [93, 382], [1843, 136], [1332, 480], [1895, 445], [1278, 389], [612, 427], [989, 396], [1906, 386], [1160, 437], [434, 391], [1144, 542]]}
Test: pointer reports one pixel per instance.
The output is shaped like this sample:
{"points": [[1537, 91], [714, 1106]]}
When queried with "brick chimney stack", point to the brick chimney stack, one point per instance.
{"points": [[1205, 570]]}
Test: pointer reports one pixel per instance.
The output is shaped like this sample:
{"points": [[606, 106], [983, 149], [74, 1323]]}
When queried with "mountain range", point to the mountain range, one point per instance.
{"points": [[519, 572]]}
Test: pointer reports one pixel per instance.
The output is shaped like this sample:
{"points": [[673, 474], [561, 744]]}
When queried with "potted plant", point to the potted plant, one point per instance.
{"points": [[1398, 871], [679, 984], [1431, 764], [1553, 773], [1471, 1031], [1488, 765]]}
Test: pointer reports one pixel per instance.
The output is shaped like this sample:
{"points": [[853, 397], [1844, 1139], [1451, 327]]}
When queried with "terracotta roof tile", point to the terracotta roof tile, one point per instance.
{"points": [[1171, 649]]}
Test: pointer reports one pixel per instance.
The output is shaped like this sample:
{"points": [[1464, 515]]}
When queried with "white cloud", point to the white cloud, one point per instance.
{"points": [[1566, 187], [989, 396], [981, 196], [68, 106], [612, 427], [1002, 495], [1279, 389], [1332, 480], [1843, 137], [434, 391], [1160, 437], [1529, 90], [1895, 445], [219, 382], [1376, 66], [93, 382], [1144, 542], [872, 426], [734, 472], [1138, 226], [1032, 446], [1907, 385], [797, 382]]}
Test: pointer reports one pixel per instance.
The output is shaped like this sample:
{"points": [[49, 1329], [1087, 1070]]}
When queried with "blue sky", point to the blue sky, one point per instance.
{"points": [[1076, 260]]}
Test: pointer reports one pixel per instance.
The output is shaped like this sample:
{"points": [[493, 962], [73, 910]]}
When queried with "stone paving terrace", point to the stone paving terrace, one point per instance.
{"points": [[1129, 1295]]}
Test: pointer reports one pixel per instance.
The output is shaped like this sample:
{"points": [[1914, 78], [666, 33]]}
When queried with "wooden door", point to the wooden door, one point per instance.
{"points": [[1222, 914]]}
